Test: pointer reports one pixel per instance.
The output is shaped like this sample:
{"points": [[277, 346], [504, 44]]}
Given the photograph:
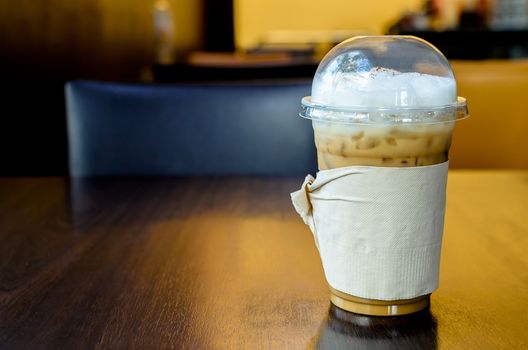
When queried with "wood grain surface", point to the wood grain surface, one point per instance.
{"points": [[225, 263]]}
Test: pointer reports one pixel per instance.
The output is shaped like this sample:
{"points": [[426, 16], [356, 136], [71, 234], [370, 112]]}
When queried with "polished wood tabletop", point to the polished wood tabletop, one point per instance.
{"points": [[226, 263]]}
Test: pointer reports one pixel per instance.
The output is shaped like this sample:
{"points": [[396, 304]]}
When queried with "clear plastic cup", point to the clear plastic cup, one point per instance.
{"points": [[388, 101]]}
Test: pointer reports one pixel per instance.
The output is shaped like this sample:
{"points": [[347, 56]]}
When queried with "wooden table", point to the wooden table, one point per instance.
{"points": [[225, 263]]}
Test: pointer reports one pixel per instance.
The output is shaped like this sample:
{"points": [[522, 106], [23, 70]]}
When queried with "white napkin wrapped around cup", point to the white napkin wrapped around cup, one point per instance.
{"points": [[378, 229]]}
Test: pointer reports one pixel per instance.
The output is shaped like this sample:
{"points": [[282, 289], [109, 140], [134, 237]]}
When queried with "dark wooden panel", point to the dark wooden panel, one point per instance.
{"points": [[44, 43], [108, 39]]}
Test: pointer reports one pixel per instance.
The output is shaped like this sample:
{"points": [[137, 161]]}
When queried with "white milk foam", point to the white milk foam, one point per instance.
{"points": [[382, 143], [383, 88]]}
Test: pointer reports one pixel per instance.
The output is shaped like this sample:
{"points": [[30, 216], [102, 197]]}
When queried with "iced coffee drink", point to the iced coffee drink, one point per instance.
{"points": [[390, 146], [381, 102], [383, 142]]}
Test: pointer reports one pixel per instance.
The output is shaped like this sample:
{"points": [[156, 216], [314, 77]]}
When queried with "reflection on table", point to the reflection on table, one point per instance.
{"points": [[345, 330]]}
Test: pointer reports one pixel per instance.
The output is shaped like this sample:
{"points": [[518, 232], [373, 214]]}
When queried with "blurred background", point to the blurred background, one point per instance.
{"points": [[45, 43]]}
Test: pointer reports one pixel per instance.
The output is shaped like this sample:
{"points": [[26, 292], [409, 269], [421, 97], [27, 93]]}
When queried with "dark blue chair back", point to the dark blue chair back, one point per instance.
{"points": [[117, 129]]}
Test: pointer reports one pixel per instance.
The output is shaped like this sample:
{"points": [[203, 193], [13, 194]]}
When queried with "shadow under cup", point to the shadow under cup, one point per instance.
{"points": [[405, 145], [344, 330]]}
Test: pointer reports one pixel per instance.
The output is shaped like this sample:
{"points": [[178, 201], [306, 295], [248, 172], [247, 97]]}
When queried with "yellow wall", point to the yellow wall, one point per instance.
{"points": [[253, 18], [494, 136]]}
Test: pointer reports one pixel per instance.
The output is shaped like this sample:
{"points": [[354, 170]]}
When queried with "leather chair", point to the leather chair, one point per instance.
{"points": [[118, 129]]}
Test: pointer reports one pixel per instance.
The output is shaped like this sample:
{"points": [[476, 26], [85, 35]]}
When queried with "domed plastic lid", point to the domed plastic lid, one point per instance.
{"points": [[384, 79]]}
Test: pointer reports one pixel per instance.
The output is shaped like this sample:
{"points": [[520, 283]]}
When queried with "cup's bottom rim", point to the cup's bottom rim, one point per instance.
{"points": [[374, 307]]}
